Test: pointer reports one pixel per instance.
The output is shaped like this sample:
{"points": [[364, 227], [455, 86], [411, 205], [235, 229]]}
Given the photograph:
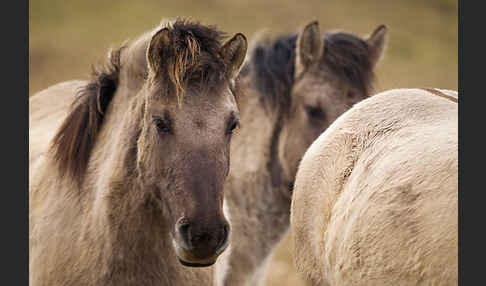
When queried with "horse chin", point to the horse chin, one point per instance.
{"points": [[186, 258]]}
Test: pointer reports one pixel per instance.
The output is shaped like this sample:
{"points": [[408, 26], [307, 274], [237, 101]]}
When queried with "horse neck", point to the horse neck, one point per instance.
{"points": [[112, 155], [254, 149], [255, 190]]}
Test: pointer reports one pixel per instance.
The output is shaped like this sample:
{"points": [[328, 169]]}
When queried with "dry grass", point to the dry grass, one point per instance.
{"points": [[67, 37]]}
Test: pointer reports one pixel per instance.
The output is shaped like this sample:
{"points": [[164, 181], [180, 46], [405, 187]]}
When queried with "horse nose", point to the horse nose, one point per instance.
{"points": [[202, 240]]}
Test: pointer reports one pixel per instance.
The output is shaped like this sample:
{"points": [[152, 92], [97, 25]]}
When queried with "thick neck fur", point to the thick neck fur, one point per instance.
{"points": [[255, 146]]}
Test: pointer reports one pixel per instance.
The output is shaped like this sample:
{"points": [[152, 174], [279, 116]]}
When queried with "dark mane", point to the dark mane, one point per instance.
{"points": [[74, 140], [193, 58], [348, 56], [273, 67], [273, 64]]}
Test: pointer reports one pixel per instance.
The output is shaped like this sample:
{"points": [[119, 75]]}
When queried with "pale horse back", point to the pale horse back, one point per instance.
{"points": [[375, 198]]}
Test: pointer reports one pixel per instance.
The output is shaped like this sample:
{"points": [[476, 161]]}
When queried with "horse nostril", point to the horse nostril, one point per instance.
{"points": [[226, 230], [224, 236], [184, 231]]}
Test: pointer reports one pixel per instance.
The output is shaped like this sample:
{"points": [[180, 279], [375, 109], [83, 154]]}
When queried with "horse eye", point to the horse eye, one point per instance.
{"points": [[315, 113], [196, 77], [163, 126], [351, 94], [235, 124]]}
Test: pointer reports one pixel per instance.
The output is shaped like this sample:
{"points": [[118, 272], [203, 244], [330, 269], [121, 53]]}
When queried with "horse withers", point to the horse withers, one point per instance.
{"points": [[127, 184]]}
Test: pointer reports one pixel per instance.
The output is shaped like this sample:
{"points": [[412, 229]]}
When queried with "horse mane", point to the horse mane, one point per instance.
{"points": [[75, 138], [273, 64], [193, 58]]}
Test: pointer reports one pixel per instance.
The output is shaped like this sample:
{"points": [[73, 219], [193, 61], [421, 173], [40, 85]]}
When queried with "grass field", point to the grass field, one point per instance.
{"points": [[67, 37]]}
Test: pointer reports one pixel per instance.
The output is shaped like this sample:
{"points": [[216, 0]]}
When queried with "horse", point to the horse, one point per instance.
{"points": [[127, 181], [375, 198], [289, 90]]}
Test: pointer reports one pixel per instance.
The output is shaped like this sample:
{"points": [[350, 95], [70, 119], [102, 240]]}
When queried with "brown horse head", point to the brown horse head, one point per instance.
{"points": [[311, 78], [183, 149], [332, 73], [173, 144]]}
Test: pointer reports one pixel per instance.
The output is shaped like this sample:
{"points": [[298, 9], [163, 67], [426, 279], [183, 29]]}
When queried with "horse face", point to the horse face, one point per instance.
{"points": [[183, 149], [318, 99], [326, 84], [185, 156]]}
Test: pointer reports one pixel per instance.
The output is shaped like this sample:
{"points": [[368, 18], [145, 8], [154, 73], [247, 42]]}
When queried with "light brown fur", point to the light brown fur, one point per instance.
{"points": [[113, 223], [375, 198], [273, 137]]}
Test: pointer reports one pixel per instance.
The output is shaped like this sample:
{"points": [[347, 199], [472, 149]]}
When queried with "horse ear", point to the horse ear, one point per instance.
{"points": [[376, 43], [158, 43], [234, 52], [309, 47]]}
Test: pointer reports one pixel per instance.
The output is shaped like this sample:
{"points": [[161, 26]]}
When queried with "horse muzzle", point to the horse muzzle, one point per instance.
{"points": [[197, 245]]}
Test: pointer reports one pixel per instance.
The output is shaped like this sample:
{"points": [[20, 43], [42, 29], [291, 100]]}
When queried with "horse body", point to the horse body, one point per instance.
{"points": [[134, 209], [285, 102], [375, 198]]}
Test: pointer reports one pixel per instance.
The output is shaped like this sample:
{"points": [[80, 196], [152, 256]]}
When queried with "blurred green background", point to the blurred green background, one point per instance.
{"points": [[67, 37]]}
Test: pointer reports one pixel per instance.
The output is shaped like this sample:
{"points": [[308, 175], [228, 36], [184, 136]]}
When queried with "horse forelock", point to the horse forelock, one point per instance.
{"points": [[75, 138], [193, 58], [348, 56]]}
